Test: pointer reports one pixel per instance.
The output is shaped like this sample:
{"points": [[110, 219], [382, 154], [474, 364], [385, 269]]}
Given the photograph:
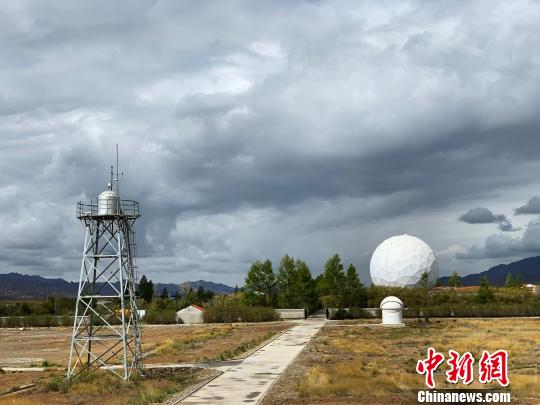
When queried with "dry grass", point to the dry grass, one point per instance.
{"points": [[88, 388], [168, 344], [211, 341], [17, 401], [193, 340], [373, 364]]}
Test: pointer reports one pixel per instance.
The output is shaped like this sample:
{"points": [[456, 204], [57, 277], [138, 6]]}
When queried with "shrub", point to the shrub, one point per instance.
{"points": [[57, 383], [350, 313], [470, 311], [40, 321], [165, 316], [229, 309], [66, 320]]}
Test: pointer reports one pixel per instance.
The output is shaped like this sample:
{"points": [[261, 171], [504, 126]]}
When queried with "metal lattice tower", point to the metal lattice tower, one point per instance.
{"points": [[106, 329]]}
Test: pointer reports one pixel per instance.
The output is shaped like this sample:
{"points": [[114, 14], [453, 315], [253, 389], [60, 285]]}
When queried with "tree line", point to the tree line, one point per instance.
{"points": [[189, 296], [292, 285]]}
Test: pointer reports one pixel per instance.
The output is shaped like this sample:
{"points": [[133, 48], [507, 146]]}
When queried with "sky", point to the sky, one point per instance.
{"points": [[253, 129]]}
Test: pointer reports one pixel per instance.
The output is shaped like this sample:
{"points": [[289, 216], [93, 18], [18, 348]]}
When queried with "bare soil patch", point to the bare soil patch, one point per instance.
{"points": [[32, 346]]}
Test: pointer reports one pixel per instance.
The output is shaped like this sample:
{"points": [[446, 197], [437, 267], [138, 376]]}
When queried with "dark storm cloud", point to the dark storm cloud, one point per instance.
{"points": [[482, 215], [249, 130], [532, 207], [501, 245]]}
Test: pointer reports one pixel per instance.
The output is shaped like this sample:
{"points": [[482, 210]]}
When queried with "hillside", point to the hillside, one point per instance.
{"points": [[15, 286], [209, 285], [527, 270]]}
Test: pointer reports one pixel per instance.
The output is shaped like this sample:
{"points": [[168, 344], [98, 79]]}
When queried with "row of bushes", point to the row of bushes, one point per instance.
{"points": [[49, 320], [454, 311], [422, 297], [349, 313], [36, 320], [50, 306], [485, 311], [157, 317], [220, 311], [232, 312]]}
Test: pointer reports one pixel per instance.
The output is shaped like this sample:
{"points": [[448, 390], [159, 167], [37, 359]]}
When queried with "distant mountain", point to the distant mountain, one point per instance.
{"points": [[15, 286], [209, 286], [172, 289], [527, 270]]}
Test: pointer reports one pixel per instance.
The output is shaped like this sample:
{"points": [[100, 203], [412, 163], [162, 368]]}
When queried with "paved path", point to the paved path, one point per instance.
{"points": [[248, 381]]}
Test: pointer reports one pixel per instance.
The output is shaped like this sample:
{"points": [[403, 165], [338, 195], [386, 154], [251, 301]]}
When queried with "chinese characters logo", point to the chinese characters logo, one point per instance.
{"points": [[491, 367]]}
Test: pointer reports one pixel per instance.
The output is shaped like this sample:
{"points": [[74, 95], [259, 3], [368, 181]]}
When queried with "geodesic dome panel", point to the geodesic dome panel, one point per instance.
{"points": [[401, 260]]}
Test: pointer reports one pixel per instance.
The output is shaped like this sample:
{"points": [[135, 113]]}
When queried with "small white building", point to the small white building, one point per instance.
{"points": [[534, 288], [392, 308], [190, 315]]}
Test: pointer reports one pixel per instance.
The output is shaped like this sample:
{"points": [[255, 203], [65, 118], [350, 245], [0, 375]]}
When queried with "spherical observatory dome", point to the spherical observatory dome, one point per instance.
{"points": [[401, 260]]}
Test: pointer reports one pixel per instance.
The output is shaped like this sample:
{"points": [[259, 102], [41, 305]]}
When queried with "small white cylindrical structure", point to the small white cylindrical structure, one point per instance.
{"points": [[392, 308], [108, 203]]}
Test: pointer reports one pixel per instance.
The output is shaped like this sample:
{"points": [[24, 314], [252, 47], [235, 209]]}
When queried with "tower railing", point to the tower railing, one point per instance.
{"points": [[91, 208]]}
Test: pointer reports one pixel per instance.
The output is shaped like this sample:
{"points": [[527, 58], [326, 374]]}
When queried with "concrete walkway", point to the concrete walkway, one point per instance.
{"points": [[248, 381]]}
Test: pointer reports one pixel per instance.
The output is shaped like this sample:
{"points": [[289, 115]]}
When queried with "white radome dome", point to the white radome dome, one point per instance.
{"points": [[401, 260]]}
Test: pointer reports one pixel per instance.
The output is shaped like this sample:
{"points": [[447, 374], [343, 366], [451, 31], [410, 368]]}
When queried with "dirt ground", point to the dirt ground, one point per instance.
{"points": [[370, 364], [205, 342], [33, 346], [162, 344]]}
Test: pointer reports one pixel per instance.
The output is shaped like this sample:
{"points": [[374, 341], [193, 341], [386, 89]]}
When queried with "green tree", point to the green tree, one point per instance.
{"points": [[296, 287], [188, 297], [306, 287], [260, 284], [355, 294], [332, 283], [203, 295], [509, 281], [454, 280], [146, 289], [164, 293], [512, 282], [484, 293], [287, 283], [424, 280]]}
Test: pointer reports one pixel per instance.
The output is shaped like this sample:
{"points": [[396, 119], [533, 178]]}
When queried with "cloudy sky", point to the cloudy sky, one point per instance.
{"points": [[250, 129]]}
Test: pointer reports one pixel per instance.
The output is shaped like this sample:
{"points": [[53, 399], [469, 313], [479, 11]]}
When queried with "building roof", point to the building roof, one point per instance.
{"points": [[192, 306]]}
